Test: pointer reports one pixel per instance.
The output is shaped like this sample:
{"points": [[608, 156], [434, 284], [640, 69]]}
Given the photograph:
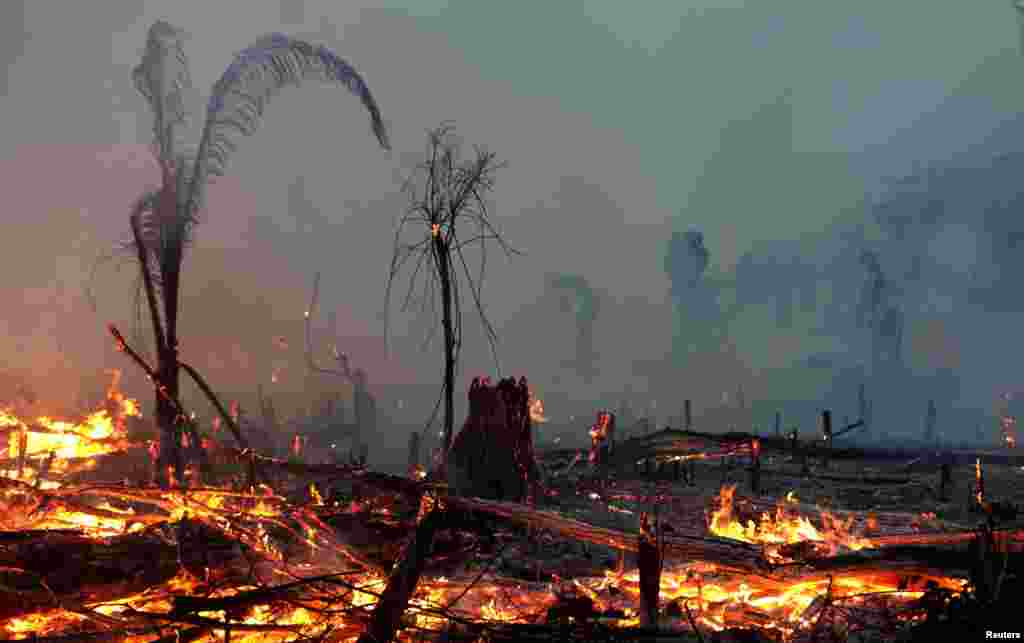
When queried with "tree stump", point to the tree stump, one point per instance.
{"points": [[492, 456]]}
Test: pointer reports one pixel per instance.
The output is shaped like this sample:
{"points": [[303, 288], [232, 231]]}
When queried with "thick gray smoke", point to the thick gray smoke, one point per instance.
{"points": [[687, 260], [910, 289]]}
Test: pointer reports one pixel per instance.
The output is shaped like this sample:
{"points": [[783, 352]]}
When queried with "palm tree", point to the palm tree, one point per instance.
{"points": [[162, 220]]}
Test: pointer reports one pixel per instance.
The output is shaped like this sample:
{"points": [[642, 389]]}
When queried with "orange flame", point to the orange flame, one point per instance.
{"points": [[783, 527]]}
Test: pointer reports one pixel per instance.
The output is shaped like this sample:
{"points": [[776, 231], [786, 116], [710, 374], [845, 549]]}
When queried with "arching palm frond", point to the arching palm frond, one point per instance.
{"points": [[162, 77], [239, 98]]}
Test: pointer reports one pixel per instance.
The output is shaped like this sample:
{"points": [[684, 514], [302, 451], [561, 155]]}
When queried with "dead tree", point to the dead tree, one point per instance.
{"points": [[414, 453], [162, 220], [343, 371], [492, 456], [864, 408], [929, 422], [449, 210]]}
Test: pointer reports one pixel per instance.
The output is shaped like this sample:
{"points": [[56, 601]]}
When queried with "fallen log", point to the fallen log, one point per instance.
{"points": [[102, 637], [816, 449], [386, 618], [726, 553], [1014, 539], [588, 631], [905, 561], [42, 570]]}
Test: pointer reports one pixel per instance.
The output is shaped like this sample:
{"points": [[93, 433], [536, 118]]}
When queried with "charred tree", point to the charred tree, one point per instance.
{"points": [[162, 221], [492, 456], [448, 203], [931, 417]]}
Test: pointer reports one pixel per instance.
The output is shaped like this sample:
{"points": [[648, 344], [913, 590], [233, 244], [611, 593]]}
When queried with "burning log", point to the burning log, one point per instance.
{"points": [[69, 565], [387, 615], [726, 553], [22, 451], [755, 467], [826, 431], [414, 454], [649, 562]]}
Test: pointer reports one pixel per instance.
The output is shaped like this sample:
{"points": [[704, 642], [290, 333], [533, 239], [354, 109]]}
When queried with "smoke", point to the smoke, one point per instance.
{"points": [[686, 261], [580, 301], [12, 38], [909, 288]]}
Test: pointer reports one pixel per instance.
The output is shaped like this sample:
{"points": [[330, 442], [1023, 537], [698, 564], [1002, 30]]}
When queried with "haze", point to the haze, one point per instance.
{"points": [[772, 129]]}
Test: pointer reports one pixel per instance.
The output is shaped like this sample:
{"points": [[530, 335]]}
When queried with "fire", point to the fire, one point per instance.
{"points": [[536, 410], [262, 520], [315, 495], [979, 485], [783, 527], [1008, 426], [52, 446]]}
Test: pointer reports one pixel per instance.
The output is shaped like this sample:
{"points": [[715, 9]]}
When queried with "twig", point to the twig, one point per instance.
{"points": [[485, 568], [310, 361], [693, 624]]}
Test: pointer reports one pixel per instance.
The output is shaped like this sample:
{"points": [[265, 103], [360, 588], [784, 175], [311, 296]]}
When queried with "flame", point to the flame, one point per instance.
{"points": [[979, 485], [783, 527], [536, 410], [260, 520], [315, 495], [62, 446], [1008, 426]]}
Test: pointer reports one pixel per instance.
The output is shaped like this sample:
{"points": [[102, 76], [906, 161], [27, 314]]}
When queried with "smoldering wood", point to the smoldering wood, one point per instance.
{"points": [[649, 564], [36, 567], [386, 618]]}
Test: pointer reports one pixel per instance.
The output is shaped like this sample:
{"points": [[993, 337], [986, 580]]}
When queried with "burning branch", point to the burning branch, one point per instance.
{"points": [[649, 560], [387, 615], [345, 371]]}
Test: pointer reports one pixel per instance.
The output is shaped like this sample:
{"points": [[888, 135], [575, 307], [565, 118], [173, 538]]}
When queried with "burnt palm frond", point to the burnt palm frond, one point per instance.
{"points": [[162, 77], [237, 103]]}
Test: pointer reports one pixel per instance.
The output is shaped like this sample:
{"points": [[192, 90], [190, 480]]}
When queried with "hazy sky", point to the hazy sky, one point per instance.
{"points": [[753, 120]]}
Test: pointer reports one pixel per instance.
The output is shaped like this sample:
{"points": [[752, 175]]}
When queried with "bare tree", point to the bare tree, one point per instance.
{"points": [[447, 213], [162, 220]]}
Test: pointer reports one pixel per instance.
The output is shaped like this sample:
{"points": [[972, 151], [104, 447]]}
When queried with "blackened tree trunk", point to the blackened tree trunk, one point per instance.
{"points": [[167, 421], [492, 456], [165, 384], [444, 272], [170, 259]]}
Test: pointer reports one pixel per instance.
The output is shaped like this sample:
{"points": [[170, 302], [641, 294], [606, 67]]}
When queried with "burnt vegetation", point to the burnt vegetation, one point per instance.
{"points": [[704, 529]]}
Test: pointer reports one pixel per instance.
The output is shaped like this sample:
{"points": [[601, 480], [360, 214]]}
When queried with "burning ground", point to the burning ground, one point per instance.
{"points": [[268, 550]]}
